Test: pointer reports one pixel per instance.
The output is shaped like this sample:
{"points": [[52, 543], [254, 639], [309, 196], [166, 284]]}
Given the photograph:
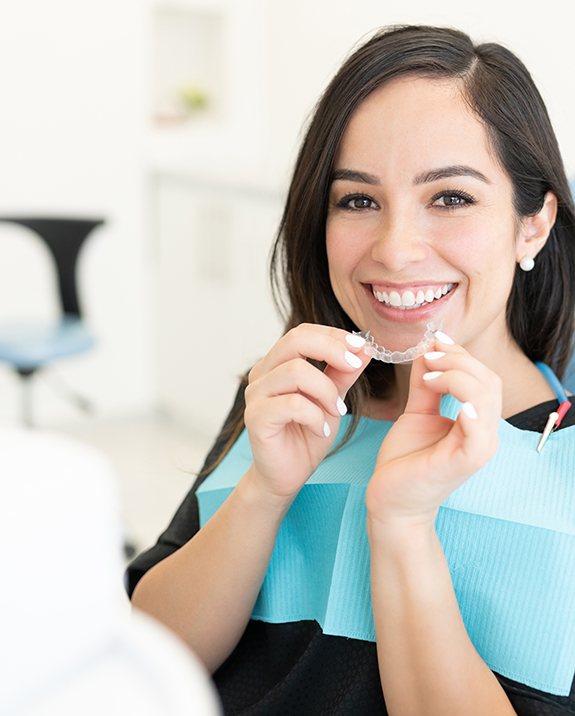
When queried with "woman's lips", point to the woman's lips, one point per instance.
{"points": [[411, 314]]}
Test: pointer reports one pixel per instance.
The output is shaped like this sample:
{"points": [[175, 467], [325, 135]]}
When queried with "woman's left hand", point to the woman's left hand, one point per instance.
{"points": [[426, 456]]}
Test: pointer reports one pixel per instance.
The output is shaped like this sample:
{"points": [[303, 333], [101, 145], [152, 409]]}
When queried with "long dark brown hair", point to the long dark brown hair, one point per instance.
{"points": [[501, 92]]}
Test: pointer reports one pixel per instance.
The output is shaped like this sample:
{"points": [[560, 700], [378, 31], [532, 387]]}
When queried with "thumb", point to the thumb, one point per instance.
{"points": [[421, 399]]}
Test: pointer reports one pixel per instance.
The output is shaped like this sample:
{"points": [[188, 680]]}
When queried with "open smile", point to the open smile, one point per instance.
{"points": [[412, 298], [410, 303]]}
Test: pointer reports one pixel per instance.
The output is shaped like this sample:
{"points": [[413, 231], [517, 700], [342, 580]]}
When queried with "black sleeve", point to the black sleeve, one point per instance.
{"points": [[528, 701], [186, 522]]}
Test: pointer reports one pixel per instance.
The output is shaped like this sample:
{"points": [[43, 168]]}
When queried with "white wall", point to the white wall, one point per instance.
{"points": [[307, 42], [75, 78], [71, 117]]}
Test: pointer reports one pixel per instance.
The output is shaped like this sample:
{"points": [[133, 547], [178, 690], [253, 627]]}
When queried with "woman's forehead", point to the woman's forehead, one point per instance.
{"points": [[416, 123], [413, 108]]}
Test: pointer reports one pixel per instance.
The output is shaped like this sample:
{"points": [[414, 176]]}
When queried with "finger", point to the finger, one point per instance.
{"points": [[267, 418], [421, 399], [466, 379], [473, 438], [455, 357], [334, 346], [458, 383], [480, 399], [343, 380], [299, 376]]}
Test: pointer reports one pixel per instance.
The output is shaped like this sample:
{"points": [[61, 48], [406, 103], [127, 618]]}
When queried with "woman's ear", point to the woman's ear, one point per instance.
{"points": [[535, 230]]}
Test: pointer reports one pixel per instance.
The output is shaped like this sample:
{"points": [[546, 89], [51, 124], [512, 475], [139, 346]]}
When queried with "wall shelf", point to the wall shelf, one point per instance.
{"points": [[188, 73]]}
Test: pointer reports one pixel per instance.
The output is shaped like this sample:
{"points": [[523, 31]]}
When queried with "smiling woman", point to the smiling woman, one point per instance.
{"points": [[403, 226], [379, 538]]}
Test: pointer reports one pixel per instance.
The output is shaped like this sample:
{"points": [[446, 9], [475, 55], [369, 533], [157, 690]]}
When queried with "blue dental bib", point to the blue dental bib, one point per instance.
{"points": [[508, 534]]}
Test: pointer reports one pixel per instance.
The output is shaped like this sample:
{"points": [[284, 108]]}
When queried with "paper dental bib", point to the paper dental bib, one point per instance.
{"points": [[508, 534]]}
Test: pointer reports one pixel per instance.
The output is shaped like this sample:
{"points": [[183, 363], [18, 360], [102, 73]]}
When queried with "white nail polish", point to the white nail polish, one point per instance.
{"points": [[433, 355], [354, 340], [353, 360], [341, 406], [326, 430], [432, 375], [442, 338], [469, 410]]}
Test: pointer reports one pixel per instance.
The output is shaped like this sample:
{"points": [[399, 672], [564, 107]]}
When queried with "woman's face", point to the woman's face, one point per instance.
{"points": [[421, 224]]}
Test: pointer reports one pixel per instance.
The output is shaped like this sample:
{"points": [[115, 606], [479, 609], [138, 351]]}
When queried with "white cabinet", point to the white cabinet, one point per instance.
{"points": [[215, 316], [215, 200]]}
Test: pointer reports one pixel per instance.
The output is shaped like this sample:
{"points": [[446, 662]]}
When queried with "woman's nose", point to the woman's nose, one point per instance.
{"points": [[398, 243]]}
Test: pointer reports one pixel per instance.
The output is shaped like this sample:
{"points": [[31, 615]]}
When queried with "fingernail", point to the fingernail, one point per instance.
{"points": [[353, 360], [434, 355], [432, 375], [341, 406], [354, 340], [469, 410], [442, 338], [326, 430]]}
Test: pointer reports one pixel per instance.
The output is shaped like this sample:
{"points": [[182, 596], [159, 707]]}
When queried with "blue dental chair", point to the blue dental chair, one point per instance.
{"points": [[27, 348]]}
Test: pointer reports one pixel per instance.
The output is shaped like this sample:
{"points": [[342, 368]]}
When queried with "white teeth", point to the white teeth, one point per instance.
{"points": [[408, 299]]}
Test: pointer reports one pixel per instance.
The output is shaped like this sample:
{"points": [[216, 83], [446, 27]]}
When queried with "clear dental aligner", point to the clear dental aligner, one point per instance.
{"points": [[380, 353]]}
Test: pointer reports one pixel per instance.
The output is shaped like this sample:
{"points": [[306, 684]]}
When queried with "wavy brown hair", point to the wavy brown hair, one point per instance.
{"points": [[500, 91]]}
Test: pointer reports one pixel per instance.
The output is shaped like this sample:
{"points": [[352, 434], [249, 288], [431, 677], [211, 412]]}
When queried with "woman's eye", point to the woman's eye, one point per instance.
{"points": [[356, 202], [452, 200]]}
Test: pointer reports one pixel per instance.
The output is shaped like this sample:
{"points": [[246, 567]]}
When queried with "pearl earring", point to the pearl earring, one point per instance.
{"points": [[527, 263]]}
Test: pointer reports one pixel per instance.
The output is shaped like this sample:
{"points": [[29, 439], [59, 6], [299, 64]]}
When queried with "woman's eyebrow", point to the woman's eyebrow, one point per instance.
{"points": [[354, 175], [456, 170]]}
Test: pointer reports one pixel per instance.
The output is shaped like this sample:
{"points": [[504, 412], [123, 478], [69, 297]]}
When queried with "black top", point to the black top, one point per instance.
{"points": [[295, 669]]}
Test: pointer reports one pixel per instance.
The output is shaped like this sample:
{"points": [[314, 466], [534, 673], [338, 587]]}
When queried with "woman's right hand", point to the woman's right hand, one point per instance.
{"points": [[292, 414]]}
